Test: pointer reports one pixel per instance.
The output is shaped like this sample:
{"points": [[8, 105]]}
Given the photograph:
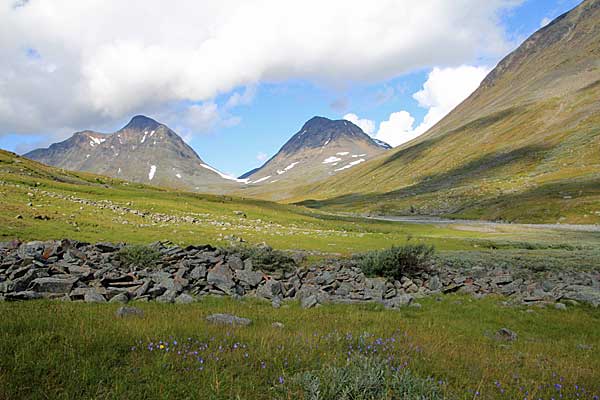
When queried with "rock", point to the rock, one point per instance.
{"points": [[506, 335], [278, 325], [167, 297], [502, 279], [560, 306], [398, 301], [24, 295], [221, 278], [249, 278], [31, 250], [270, 289], [184, 298], [309, 301], [584, 294], [228, 319], [123, 312], [235, 262], [93, 297], [120, 298], [276, 302], [54, 284], [106, 247], [198, 272], [434, 283], [415, 305]]}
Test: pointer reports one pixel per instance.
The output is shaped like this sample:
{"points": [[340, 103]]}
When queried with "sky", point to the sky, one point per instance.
{"points": [[237, 78]]}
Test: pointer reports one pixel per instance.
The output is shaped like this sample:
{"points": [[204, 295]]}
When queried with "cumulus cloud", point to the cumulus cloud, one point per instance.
{"points": [[444, 89], [99, 61], [367, 125], [545, 21]]}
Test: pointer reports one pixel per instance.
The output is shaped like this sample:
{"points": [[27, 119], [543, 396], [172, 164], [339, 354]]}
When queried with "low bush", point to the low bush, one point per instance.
{"points": [[397, 261], [364, 378], [264, 258], [139, 255]]}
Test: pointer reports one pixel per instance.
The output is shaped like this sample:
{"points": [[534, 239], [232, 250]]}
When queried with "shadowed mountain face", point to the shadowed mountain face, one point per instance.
{"points": [[322, 148], [538, 112], [143, 151]]}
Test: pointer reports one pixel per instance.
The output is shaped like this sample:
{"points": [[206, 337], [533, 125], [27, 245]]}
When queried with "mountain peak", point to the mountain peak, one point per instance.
{"points": [[141, 122]]}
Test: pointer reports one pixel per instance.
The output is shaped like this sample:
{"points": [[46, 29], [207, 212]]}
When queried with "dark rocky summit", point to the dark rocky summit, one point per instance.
{"points": [[72, 270]]}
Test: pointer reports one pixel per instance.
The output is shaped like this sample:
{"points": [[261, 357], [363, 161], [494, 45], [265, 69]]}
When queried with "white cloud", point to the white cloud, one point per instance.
{"points": [[262, 156], [545, 21], [101, 61], [444, 89], [366, 125]]}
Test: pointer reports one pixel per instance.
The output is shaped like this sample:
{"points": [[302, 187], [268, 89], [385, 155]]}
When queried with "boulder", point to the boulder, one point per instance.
{"points": [[167, 297], [249, 278], [398, 301], [235, 262], [506, 335], [309, 301], [221, 278], [93, 297], [228, 319], [119, 298], [184, 298], [584, 294], [123, 312], [24, 295], [271, 288], [54, 284], [434, 283]]}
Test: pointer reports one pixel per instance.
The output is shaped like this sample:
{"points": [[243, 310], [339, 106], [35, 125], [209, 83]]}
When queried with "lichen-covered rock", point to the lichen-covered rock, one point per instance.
{"points": [[228, 319]]}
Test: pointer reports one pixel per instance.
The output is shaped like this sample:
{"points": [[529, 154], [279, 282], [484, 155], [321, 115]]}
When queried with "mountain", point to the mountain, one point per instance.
{"points": [[143, 151], [525, 146], [320, 149]]}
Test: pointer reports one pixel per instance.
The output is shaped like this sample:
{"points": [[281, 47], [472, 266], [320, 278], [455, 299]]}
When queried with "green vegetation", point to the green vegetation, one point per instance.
{"points": [[397, 261], [63, 350], [364, 378], [139, 255], [78, 207], [264, 258]]}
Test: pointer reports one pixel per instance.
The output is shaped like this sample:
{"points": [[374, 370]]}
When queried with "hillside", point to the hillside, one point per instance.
{"points": [[320, 149], [143, 151], [525, 146]]}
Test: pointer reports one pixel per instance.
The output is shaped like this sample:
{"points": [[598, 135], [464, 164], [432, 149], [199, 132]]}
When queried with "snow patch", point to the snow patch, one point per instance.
{"points": [[327, 142], [261, 179], [152, 172], [331, 159], [342, 153], [274, 180], [358, 155], [178, 175], [87, 156], [350, 165], [224, 176], [292, 165], [119, 171], [152, 133], [144, 138], [94, 140]]}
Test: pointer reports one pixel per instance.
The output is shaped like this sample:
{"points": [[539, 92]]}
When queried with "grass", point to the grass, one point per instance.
{"points": [[283, 227], [75, 350]]}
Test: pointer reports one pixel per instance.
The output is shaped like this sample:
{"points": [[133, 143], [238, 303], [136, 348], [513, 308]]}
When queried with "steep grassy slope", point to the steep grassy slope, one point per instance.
{"points": [[40, 202], [525, 146]]}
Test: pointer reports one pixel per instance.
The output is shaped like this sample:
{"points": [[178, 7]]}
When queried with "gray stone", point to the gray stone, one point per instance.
{"points": [[278, 325], [270, 289], [235, 262], [119, 298], [106, 247], [435, 283], [228, 319], [415, 305], [584, 294], [24, 295], [123, 312], [276, 302], [167, 297], [184, 298], [198, 272], [249, 278], [221, 278], [398, 301], [54, 284], [506, 335], [309, 301], [93, 297], [560, 306]]}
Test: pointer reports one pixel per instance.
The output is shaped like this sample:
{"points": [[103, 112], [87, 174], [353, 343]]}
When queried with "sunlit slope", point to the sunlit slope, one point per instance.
{"points": [[524, 146]]}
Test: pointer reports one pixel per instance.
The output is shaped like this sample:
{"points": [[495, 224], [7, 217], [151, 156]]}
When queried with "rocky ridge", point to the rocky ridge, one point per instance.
{"points": [[77, 271]]}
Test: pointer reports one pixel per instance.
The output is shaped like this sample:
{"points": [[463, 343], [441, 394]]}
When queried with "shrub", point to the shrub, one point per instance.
{"points": [[264, 258], [139, 255], [364, 378], [397, 261]]}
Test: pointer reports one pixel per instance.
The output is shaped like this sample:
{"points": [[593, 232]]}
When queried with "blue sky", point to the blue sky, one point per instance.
{"points": [[237, 135]]}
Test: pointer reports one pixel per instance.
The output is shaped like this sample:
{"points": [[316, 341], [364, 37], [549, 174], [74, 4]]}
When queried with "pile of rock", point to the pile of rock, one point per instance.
{"points": [[72, 270]]}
